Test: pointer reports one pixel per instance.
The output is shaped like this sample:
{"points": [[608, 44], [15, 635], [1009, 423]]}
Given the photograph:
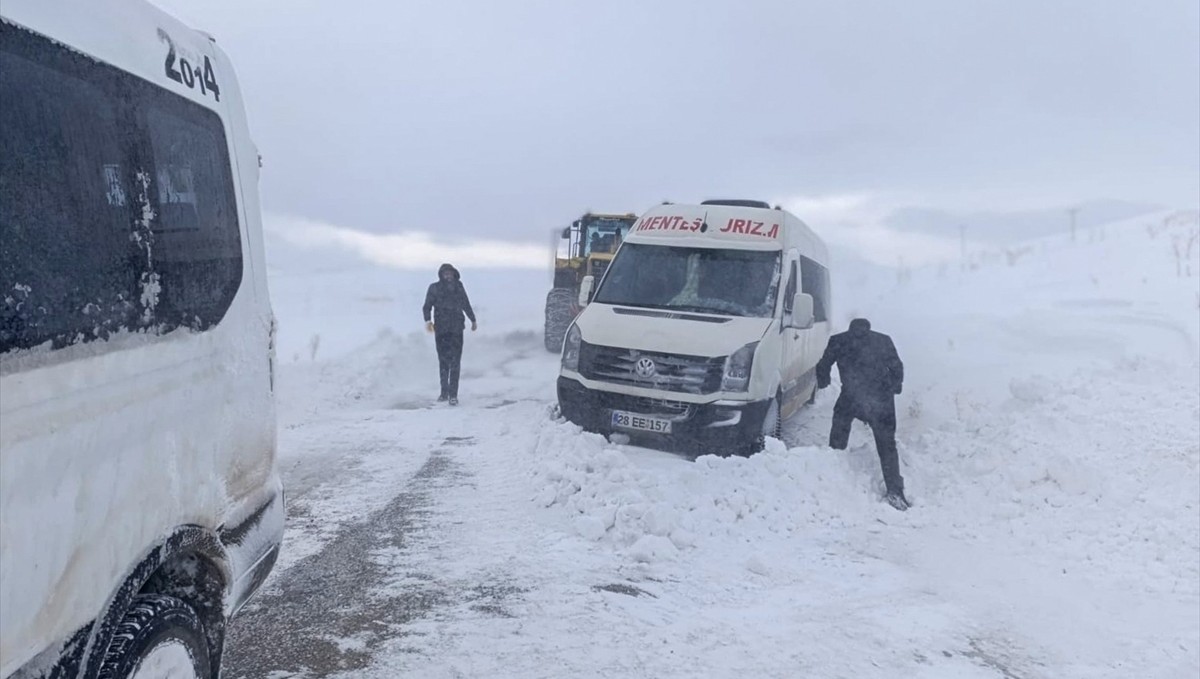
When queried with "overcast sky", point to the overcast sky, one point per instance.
{"points": [[505, 119]]}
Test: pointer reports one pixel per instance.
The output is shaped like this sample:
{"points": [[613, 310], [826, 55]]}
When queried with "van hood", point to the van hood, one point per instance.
{"points": [[672, 332]]}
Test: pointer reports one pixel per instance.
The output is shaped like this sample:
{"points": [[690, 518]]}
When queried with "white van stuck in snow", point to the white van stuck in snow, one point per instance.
{"points": [[140, 505], [706, 328]]}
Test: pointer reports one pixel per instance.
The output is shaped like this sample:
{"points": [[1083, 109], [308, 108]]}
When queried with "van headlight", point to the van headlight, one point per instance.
{"points": [[570, 355], [737, 368]]}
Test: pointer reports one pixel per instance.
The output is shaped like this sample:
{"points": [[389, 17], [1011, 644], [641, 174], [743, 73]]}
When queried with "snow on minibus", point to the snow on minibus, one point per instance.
{"points": [[705, 330], [140, 504]]}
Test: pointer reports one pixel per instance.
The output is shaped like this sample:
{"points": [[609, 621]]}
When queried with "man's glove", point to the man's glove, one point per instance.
{"points": [[899, 388], [474, 326], [429, 326], [821, 384]]}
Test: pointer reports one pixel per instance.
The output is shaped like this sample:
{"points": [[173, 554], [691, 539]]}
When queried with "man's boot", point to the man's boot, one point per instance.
{"points": [[896, 499]]}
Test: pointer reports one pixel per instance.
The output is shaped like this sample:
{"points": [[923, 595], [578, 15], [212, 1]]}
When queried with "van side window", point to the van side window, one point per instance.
{"points": [[117, 207], [814, 280], [789, 295], [195, 232]]}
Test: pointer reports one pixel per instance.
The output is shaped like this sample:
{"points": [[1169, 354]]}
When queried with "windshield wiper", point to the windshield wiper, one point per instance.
{"points": [[637, 305], [692, 308], [662, 307], [699, 309]]}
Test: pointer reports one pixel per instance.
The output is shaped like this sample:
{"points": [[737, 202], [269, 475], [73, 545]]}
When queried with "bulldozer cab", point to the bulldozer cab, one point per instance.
{"points": [[585, 248], [601, 236], [588, 245]]}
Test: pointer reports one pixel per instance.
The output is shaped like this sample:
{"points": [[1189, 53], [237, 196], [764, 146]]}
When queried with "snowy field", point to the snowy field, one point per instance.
{"points": [[1049, 434]]}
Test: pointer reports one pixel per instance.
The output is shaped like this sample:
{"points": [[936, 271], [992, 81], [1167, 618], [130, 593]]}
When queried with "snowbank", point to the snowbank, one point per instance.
{"points": [[1050, 439], [1049, 436]]}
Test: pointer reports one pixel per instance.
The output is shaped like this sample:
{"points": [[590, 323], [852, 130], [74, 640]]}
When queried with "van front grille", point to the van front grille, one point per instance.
{"points": [[652, 370]]}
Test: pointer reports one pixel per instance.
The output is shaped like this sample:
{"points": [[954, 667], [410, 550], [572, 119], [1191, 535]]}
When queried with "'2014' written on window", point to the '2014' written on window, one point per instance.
{"points": [[186, 73]]}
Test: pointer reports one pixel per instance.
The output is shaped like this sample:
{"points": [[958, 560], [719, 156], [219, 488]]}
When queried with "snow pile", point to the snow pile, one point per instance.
{"points": [[1049, 434], [1002, 427], [650, 513]]}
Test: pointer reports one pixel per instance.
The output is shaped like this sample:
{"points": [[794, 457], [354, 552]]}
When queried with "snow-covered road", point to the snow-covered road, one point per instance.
{"points": [[1050, 438]]}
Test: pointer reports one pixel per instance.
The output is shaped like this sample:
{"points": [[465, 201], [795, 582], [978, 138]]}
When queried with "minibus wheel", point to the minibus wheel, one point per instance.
{"points": [[160, 637], [771, 426], [772, 423]]}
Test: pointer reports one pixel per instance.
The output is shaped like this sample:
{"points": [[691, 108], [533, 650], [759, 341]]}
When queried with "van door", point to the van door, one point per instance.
{"points": [[793, 340], [814, 280]]}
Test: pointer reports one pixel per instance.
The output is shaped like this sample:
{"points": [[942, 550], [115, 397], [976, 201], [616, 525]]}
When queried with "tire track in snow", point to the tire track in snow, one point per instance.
{"points": [[327, 613], [368, 579]]}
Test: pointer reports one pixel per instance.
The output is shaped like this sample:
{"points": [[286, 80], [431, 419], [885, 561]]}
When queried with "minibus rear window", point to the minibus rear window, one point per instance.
{"points": [[117, 205]]}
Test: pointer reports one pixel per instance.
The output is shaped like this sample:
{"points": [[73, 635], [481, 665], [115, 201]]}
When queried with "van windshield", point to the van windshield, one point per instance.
{"points": [[707, 280]]}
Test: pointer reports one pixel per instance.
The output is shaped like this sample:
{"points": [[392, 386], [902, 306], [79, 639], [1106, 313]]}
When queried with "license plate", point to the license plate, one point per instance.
{"points": [[624, 420]]}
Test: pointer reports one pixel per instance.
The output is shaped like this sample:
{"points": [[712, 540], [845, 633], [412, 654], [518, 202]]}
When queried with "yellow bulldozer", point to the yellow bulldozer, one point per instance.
{"points": [[585, 248]]}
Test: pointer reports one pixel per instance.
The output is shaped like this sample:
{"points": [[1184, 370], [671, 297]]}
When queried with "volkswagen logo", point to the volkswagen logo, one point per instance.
{"points": [[645, 368]]}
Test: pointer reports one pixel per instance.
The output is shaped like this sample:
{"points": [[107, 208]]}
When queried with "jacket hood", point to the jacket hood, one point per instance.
{"points": [[448, 267]]}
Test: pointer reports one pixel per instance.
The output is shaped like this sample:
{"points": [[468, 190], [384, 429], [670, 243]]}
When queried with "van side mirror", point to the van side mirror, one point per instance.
{"points": [[585, 290], [802, 311], [566, 233]]}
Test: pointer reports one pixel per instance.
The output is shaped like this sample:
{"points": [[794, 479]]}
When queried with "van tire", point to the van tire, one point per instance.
{"points": [[773, 420], [152, 622], [772, 425], [560, 311]]}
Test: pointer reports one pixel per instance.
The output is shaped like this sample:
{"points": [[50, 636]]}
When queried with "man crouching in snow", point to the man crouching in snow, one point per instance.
{"points": [[872, 375], [447, 300]]}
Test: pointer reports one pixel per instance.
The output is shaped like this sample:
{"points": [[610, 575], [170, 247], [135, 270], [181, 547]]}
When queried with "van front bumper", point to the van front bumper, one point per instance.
{"points": [[719, 427]]}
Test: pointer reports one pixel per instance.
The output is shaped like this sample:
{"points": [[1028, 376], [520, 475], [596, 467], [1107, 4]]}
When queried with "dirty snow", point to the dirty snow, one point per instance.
{"points": [[171, 660], [1049, 435]]}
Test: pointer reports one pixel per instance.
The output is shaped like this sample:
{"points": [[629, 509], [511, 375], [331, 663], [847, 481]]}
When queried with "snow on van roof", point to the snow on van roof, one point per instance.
{"points": [[738, 202]]}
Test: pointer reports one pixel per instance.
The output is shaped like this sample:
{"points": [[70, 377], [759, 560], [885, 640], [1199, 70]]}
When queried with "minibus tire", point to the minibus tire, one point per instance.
{"points": [[152, 622], [758, 441], [777, 428]]}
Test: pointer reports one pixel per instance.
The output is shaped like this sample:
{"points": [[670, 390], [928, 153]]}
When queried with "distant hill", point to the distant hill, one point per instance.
{"points": [[1010, 227]]}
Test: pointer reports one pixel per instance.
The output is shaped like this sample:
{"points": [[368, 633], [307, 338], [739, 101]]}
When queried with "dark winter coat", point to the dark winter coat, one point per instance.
{"points": [[871, 371], [448, 303]]}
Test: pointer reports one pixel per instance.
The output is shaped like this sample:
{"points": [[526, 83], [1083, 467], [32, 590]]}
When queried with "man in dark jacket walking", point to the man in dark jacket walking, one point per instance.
{"points": [[872, 375], [447, 301]]}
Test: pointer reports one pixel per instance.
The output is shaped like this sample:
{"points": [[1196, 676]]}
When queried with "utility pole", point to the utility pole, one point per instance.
{"points": [[1072, 212]]}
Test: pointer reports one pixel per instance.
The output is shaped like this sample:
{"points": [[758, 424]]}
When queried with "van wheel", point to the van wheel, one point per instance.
{"points": [[771, 426], [772, 423], [161, 637]]}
